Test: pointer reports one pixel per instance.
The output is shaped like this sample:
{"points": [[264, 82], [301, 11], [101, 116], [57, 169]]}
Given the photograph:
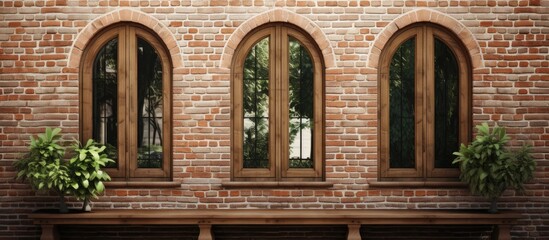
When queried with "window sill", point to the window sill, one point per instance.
{"points": [[126, 184], [277, 184], [378, 184]]}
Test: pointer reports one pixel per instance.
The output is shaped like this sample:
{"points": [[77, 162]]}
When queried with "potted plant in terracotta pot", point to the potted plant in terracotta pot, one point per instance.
{"points": [[489, 168], [45, 168]]}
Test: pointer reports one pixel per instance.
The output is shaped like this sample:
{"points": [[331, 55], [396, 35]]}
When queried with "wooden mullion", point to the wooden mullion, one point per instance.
{"points": [[419, 101], [283, 104], [122, 102], [278, 116], [429, 102], [131, 101]]}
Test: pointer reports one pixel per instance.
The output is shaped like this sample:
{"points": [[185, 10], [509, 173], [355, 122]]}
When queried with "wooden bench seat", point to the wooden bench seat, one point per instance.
{"points": [[205, 218]]}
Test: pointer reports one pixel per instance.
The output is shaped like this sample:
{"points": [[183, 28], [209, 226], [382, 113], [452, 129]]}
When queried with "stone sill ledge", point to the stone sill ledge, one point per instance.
{"points": [[380, 184], [277, 184], [143, 184]]}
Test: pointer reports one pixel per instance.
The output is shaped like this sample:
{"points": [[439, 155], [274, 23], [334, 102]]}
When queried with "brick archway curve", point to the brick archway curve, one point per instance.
{"points": [[426, 15], [278, 15], [124, 15]]}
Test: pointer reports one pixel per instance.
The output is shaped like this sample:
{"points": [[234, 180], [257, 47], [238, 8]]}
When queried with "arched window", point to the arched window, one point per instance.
{"points": [[277, 106], [126, 101], [425, 102]]}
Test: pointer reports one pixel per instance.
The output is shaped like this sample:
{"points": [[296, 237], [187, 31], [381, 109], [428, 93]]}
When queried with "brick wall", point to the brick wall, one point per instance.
{"points": [[41, 43]]}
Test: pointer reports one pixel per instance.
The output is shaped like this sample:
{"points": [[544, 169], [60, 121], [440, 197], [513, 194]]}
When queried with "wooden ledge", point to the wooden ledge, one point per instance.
{"points": [[205, 218], [144, 184], [277, 184], [381, 184], [279, 216]]}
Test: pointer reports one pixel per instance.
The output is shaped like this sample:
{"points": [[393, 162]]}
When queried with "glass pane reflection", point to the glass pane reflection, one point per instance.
{"points": [[256, 106], [401, 106], [446, 105], [301, 106], [149, 106], [105, 106]]}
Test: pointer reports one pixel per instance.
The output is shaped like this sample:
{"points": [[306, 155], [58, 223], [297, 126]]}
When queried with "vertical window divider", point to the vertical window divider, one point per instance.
{"points": [[132, 83], [420, 98], [429, 102]]}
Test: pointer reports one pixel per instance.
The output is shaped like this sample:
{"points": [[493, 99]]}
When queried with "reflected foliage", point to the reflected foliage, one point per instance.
{"points": [[105, 105], [256, 106], [149, 106], [301, 103], [149, 103], [401, 109], [446, 105]]}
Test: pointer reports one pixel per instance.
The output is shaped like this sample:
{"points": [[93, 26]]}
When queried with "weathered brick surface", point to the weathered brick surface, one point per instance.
{"points": [[41, 43]]}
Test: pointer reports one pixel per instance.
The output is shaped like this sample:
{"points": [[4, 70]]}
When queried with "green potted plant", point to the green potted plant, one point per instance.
{"points": [[489, 168], [85, 171], [45, 168]]}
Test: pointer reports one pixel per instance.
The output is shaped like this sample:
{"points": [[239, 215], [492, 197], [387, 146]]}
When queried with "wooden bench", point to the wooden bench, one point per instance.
{"points": [[205, 218]]}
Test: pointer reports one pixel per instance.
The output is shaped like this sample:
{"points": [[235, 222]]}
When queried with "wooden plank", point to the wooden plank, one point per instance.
{"points": [[365, 216], [354, 218]]}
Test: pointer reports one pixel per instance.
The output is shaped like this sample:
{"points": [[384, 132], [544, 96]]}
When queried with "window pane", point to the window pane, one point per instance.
{"points": [[301, 106], [446, 105], [149, 106], [401, 106], [256, 106], [105, 110]]}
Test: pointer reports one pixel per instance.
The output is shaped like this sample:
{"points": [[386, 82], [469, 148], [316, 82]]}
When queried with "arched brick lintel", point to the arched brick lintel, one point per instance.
{"points": [[124, 15], [278, 15], [426, 15]]}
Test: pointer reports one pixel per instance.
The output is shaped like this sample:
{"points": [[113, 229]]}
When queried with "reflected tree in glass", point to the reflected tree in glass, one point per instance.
{"points": [[149, 106], [401, 106], [446, 105], [256, 106], [105, 106], [301, 105]]}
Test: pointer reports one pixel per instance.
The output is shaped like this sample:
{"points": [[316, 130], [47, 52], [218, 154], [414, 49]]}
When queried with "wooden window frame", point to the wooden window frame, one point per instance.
{"points": [[279, 169], [424, 170], [127, 34]]}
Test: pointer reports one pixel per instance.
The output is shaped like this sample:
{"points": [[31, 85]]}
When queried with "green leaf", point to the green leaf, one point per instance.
{"points": [[85, 183], [100, 187], [483, 175], [95, 155], [82, 155]]}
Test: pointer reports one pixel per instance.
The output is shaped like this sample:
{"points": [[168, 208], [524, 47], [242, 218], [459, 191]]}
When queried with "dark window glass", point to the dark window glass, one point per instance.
{"points": [[256, 106], [149, 106], [446, 105], [401, 109], [301, 104], [105, 106]]}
